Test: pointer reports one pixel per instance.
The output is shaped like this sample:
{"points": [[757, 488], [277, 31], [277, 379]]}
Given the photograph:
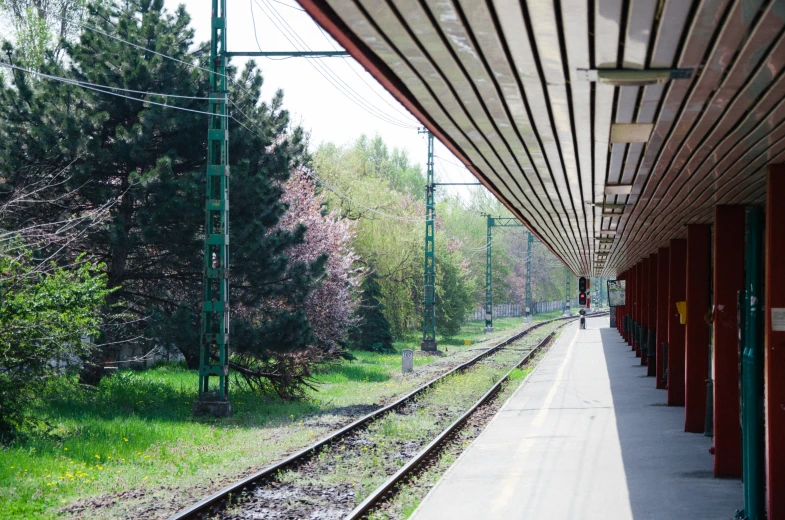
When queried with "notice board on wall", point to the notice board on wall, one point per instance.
{"points": [[616, 292]]}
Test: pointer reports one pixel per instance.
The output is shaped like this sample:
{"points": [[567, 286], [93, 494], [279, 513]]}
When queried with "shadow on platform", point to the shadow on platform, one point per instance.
{"points": [[669, 472]]}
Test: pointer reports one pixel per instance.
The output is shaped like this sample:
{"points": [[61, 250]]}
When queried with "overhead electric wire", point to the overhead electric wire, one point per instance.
{"points": [[97, 85], [100, 89], [451, 162], [86, 86], [313, 176], [323, 69], [368, 108], [140, 47], [349, 65], [289, 6], [298, 43]]}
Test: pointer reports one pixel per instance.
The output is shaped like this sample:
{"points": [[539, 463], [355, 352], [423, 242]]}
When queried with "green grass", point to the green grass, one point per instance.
{"points": [[135, 431]]}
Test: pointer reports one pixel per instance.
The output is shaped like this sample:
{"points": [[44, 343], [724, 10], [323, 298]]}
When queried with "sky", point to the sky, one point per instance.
{"points": [[334, 99]]}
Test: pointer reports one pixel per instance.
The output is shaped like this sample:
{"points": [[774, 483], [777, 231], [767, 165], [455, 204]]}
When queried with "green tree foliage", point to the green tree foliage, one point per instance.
{"points": [[389, 230], [47, 314], [150, 160], [373, 329], [384, 193], [41, 26], [454, 289]]}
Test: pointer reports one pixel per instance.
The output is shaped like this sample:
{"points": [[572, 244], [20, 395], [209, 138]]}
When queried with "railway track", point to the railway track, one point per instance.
{"points": [[213, 505]]}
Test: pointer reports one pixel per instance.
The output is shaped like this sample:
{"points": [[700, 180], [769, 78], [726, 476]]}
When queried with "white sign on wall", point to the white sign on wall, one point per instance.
{"points": [[778, 319]]}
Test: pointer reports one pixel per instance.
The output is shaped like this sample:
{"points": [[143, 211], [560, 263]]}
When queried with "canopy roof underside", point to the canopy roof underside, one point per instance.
{"points": [[510, 87]]}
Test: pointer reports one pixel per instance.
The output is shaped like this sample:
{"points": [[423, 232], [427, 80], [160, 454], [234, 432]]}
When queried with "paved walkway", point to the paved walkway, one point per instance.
{"points": [[586, 437]]}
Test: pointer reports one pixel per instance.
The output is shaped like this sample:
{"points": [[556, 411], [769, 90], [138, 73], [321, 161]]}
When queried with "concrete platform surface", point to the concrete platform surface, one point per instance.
{"points": [[587, 436]]}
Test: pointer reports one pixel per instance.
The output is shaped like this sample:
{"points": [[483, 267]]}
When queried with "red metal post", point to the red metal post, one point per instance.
{"points": [[696, 346], [774, 341], [651, 346], [644, 299], [637, 314], [630, 303], [728, 281], [662, 313], [677, 290]]}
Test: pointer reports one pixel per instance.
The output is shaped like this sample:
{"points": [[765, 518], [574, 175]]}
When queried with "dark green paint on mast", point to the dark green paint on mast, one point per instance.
{"points": [[429, 275], [489, 276], [752, 377], [529, 242], [214, 344], [492, 222]]}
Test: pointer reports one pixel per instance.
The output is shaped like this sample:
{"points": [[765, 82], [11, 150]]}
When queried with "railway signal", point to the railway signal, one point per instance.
{"points": [[582, 291]]}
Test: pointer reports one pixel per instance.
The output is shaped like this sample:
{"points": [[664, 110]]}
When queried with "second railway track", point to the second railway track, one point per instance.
{"points": [[325, 479]]}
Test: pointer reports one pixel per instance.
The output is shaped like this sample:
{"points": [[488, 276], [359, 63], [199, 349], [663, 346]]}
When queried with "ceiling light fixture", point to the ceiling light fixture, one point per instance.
{"points": [[634, 77], [631, 133], [618, 189]]}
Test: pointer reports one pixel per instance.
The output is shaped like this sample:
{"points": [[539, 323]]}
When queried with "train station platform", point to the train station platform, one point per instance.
{"points": [[587, 436]]}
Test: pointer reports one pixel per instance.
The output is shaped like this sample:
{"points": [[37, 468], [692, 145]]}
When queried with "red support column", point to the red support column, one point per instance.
{"points": [[696, 346], [774, 342], [644, 311], [677, 292], [662, 313], [631, 308], [637, 314], [630, 303], [652, 304], [728, 281]]}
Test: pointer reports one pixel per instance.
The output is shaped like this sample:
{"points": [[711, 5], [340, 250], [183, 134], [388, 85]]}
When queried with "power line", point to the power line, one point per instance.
{"points": [[86, 86], [99, 88], [333, 78], [289, 6], [291, 36], [451, 162], [349, 65], [140, 47], [97, 85]]}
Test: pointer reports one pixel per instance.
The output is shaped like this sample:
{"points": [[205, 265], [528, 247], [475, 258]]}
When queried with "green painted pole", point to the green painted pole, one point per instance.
{"points": [[752, 372], [489, 276], [429, 274], [529, 242], [214, 344]]}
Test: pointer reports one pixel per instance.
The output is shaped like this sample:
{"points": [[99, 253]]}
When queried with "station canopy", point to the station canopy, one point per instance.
{"points": [[606, 126]]}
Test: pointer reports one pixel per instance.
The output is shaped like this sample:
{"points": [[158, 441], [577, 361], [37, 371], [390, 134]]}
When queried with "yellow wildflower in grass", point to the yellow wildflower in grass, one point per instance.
{"points": [[126, 440], [66, 449], [97, 456], [147, 456]]}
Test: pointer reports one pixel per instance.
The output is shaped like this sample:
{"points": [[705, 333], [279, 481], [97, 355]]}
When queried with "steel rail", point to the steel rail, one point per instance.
{"points": [[378, 495], [206, 505]]}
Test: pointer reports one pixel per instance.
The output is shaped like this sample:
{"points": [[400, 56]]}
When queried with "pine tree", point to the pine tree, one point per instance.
{"points": [[149, 162], [373, 331]]}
